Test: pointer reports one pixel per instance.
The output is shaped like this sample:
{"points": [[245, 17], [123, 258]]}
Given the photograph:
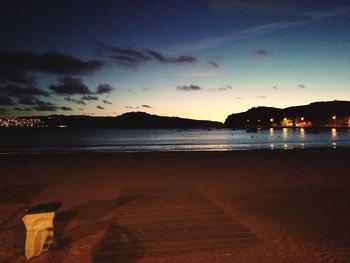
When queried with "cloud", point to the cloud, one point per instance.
{"points": [[239, 98], [16, 76], [302, 86], [125, 57], [70, 86], [65, 108], [131, 58], [188, 88], [259, 97], [107, 102], [146, 106], [100, 107], [254, 31], [129, 107], [171, 60], [261, 53], [28, 101], [6, 101], [225, 88], [213, 64], [200, 74], [104, 88], [275, 88], [48, 62], [17, 91], [81, 102], [45, 108], [245, 4], [22, 109], [3, 110], [89, 97]]}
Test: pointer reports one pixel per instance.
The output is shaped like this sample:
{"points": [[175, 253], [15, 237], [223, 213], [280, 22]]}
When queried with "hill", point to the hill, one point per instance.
{"points": [[317, 112]]}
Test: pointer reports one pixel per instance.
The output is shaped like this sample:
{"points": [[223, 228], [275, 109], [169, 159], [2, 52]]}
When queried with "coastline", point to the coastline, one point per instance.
{"points": [[294, 201]]}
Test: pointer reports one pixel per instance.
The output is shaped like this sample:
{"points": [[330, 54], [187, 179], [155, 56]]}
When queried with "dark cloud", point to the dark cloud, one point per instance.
{"points": [[261, 53], [104, 88], [146, 106], [246, 4], [28, 101], [188, 88], [45, 108], [107, 102], [6, 101], [239, 98], [275, 88], [22, 109], [100, 107], [302, 86], [33, 101], [89, 97], [80, 102], [3, 110], [129, 107], [17, 91], [65, 108], [70, 86], [213, 64], [125, 57], [131, 58], [16, 76], [49, 62], [171, 60], [259, 97]]}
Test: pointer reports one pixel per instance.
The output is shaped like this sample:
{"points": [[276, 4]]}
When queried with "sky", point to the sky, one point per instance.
{"points": [[201, 59]]}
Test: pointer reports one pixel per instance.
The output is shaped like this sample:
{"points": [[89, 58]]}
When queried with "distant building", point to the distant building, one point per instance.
{"points": [[21, 123], [301, 122], [287, 122], [335, 121]]}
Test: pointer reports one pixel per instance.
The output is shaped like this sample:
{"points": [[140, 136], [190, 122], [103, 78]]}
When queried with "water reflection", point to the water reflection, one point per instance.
{"points": [[302, 133], [334, 133]]}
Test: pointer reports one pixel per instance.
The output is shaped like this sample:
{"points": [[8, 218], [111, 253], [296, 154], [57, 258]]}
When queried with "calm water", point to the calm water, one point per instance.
{"points": [[114, 140]]}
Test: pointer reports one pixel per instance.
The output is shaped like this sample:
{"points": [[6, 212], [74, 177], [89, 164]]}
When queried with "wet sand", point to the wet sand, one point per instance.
{"points": [[244, 206]]}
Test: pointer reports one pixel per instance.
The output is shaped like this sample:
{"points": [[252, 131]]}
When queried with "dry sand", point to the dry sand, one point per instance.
{"points": [[246, 206]]}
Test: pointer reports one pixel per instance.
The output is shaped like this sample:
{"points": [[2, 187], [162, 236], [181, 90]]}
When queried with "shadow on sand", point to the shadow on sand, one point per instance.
{"points": [[118, 245]]}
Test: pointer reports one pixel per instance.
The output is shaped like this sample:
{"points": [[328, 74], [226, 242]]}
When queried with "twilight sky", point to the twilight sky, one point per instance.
{"points": [[201, 59]]}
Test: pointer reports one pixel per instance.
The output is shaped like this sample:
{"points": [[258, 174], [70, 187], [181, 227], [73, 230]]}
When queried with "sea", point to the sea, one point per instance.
{"points": [[65, 140]]}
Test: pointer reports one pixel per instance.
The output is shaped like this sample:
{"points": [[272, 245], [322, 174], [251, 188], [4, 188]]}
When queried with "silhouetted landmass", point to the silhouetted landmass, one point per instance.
{"points": [[131, 120], [318, 113]]}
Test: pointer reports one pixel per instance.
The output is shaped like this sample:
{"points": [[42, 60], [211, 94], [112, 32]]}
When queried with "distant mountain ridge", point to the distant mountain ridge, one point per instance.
{"points": [[263, 116], [130, 120]]}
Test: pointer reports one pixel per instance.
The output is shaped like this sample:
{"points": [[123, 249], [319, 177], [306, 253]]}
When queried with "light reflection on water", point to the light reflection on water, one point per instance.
{"points": [[114, 140]]}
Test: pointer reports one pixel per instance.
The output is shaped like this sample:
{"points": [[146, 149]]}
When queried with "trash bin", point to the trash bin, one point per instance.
{"points": [[38, 221]]}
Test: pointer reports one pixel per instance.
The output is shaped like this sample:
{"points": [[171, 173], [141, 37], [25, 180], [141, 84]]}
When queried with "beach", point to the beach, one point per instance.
{"points": [[239, 206]]}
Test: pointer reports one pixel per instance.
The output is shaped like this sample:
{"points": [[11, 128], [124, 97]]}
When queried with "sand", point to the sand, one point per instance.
{"points": [[244, 206]]}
